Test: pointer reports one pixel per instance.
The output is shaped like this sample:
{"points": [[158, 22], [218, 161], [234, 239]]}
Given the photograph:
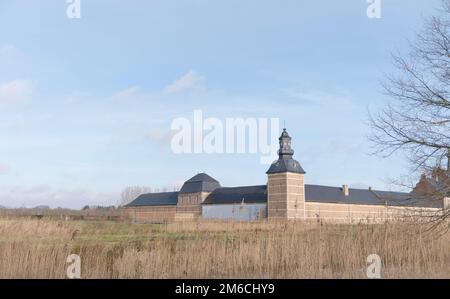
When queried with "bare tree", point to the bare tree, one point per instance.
{"points": [[132, 192], [417, 120]]}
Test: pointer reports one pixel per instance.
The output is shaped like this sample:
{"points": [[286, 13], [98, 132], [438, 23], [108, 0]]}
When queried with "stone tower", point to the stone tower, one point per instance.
{"points": [[285, 185]]}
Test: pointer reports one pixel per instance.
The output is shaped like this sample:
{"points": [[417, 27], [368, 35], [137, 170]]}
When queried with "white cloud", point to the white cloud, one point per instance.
{"points": [[15, 91], [319, 97], [8, 54], [191, 81], [159, 136], [128, 94], [17, 122], [4, 169], [190, 84]]}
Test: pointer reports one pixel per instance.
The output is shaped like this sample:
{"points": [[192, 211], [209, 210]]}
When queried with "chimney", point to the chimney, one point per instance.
{"points": [[448, 160], [446, 203], [345, 190]]}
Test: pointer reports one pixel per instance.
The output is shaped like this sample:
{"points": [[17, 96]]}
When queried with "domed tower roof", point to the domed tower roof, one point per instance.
{"points": [[285, 162], [200, 183]]}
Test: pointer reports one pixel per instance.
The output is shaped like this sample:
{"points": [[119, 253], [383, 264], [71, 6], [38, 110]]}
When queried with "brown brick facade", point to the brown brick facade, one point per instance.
{"points": [[285, 195], [353, 213], [151, 214], [189, 206]]}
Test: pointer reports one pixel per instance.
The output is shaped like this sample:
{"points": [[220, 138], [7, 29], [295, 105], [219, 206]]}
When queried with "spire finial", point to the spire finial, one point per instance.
{"points": [[285, 162]]}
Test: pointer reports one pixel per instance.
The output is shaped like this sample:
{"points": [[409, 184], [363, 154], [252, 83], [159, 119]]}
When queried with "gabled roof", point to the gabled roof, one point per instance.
{"points": [[232, 195], [155, 199], [200, 183]]}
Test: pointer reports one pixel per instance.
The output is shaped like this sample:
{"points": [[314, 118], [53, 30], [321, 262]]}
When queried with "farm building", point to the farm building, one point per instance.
{"points": [[285, 196]]}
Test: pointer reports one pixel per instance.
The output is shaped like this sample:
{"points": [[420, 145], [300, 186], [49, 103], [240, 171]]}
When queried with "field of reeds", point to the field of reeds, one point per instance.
{"points": [[38, 248]]}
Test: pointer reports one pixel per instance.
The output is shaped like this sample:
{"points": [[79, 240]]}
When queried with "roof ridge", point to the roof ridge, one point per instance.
{"points": [[201, 177], [359, 189], [164, 192], [246, 186]]}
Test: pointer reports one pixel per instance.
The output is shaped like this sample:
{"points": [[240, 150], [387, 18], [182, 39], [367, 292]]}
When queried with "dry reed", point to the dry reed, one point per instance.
{"points": [[31, 248]]}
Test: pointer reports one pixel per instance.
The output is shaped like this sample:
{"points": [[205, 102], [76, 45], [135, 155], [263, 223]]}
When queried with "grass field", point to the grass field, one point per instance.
{"points": [[31, 248]]}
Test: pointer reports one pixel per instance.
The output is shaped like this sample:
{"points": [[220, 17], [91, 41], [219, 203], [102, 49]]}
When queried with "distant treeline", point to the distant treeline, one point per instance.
{"points": [[86, 213]]}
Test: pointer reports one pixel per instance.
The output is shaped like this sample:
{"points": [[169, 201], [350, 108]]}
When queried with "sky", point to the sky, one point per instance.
{"points": [[87, 104]]}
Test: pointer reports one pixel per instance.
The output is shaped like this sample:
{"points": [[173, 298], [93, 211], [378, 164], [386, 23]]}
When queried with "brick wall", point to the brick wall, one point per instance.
{"points": [[285, 195], [352, 213], [153, 214], [189, 206]]}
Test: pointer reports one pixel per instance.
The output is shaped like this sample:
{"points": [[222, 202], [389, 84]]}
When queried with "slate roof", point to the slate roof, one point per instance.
{"points": [[285, 164], [155, 199], [323, 194], [232, 195], [200, 183], [258, 194]]}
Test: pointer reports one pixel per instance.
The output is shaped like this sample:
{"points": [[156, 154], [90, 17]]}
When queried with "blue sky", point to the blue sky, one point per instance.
{"points": [[86, 104]]}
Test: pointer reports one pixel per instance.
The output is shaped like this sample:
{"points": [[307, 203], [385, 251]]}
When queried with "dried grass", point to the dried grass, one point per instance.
{"points": [[32, 248]]}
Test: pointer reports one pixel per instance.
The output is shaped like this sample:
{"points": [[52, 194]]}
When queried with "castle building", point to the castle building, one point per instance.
{"points": [[284, 197]]}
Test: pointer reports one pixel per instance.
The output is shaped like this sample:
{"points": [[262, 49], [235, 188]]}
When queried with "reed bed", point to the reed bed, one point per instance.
{"points": [[31, 248]]}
